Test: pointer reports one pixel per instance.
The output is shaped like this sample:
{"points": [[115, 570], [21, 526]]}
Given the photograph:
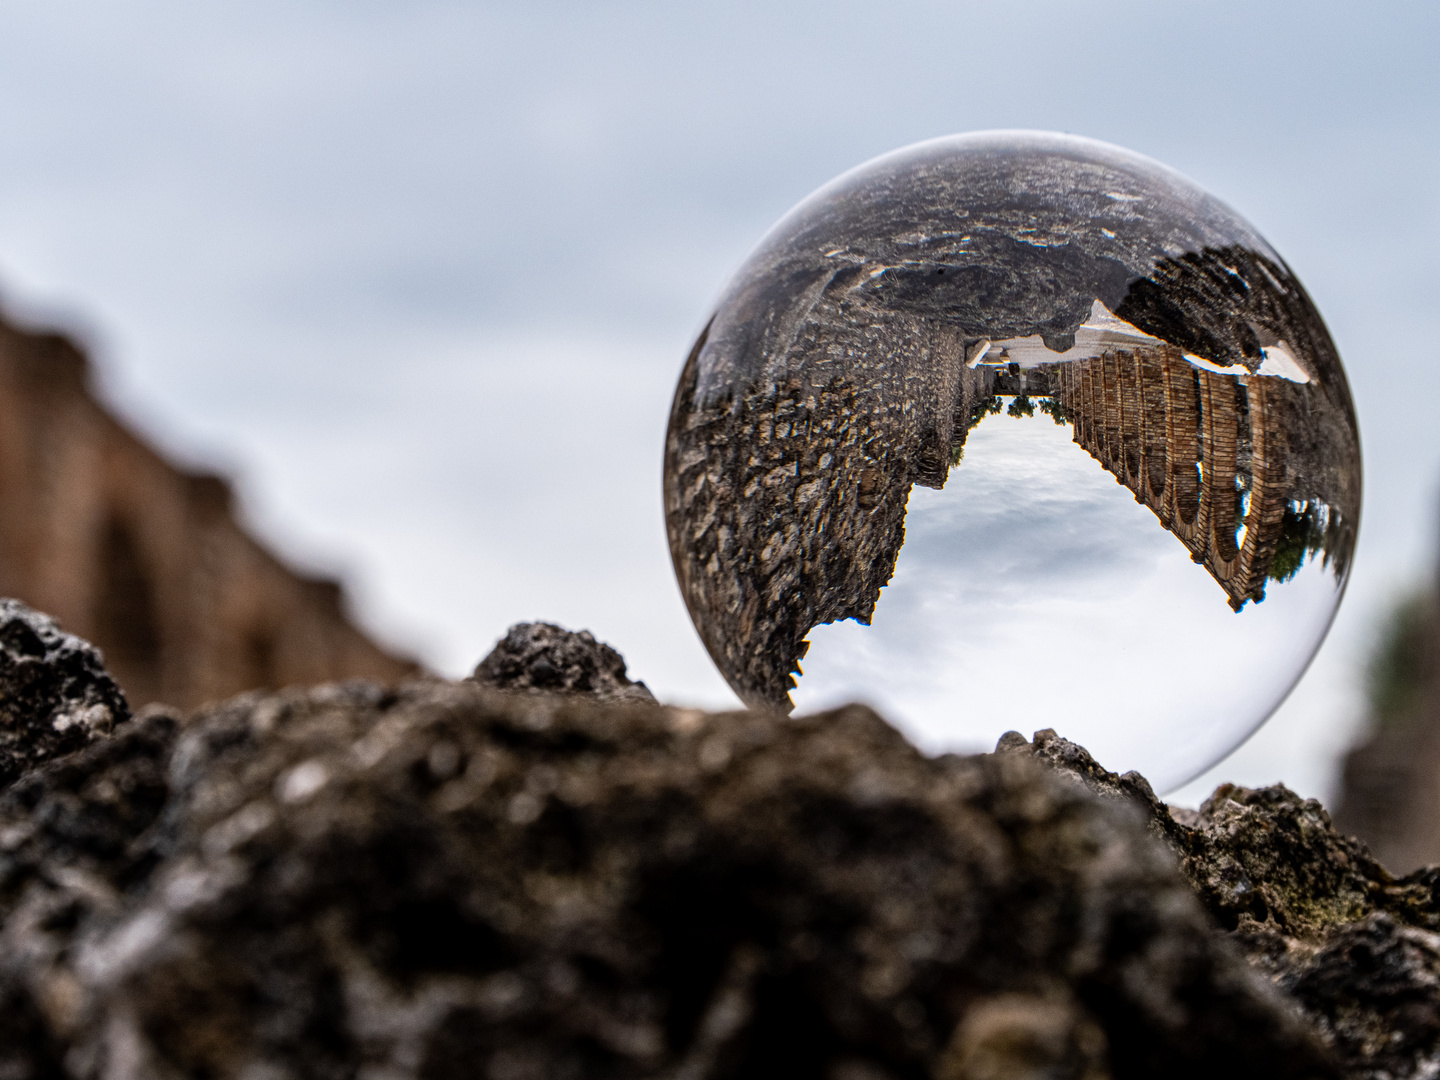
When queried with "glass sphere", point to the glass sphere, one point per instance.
{"points": [[1015, 430]]}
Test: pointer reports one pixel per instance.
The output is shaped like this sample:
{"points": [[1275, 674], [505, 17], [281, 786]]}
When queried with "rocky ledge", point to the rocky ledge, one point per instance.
{"points": [[511, 878]]}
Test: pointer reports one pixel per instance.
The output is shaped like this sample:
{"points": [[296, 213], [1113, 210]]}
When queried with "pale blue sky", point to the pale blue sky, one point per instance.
{"points": [[422, 275]]}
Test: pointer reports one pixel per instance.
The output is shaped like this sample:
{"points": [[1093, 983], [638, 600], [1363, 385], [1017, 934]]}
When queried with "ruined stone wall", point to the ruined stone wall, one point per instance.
{"points": [[145, 559], [816, 460], [1187, 442]]}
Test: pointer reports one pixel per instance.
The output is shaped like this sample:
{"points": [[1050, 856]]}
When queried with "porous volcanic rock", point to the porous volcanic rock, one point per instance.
{"points": [[452, 881], [55, 694], [1356, 947], [548, 658]]}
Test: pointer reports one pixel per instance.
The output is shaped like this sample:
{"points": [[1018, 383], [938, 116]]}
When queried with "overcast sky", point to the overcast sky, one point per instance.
{"points": [[422, 275]]}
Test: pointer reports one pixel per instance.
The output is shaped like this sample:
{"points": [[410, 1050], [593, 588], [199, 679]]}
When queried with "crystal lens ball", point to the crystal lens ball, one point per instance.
{"points": [[1015, 430]]}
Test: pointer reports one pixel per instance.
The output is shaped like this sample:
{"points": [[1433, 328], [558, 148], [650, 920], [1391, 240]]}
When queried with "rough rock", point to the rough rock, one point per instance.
{"points": [[1357, 948], [452, 881], [55, 694], [545, 657]]}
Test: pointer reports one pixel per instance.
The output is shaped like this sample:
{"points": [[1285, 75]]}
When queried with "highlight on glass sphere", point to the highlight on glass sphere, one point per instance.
{"points": [[1016, 430]]}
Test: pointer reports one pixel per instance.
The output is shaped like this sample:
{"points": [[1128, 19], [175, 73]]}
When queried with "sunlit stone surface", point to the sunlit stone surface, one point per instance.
{"points": [[1017, 430]]}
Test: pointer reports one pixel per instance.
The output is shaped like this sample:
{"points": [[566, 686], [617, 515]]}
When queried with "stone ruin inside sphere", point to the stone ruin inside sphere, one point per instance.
{"points": [[1016, 430]]}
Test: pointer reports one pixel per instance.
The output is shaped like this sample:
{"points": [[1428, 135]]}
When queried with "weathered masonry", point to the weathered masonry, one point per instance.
{"points": [[795, 488], [1189, 443], [145, 559]]}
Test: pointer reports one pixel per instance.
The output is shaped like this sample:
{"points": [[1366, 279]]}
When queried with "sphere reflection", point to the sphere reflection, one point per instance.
{"points": [[1016, 430]]}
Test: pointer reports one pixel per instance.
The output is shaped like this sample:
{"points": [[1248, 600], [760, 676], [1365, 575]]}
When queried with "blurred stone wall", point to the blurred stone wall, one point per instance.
{"points": [[146, 559], [1390, 795]]}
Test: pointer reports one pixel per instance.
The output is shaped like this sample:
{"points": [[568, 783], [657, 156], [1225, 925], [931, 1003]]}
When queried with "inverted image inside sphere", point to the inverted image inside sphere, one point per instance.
{"points": [[1016, 429]]}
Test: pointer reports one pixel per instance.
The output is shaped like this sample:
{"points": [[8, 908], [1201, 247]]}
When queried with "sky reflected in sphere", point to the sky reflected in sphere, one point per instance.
{"points": [[1014, 431]]}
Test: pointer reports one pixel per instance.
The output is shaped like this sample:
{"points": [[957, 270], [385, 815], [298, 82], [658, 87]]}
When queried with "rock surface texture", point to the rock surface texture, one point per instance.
{"points": [[451, 880], [1356, 948], [55, 694], [550, 659]]}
